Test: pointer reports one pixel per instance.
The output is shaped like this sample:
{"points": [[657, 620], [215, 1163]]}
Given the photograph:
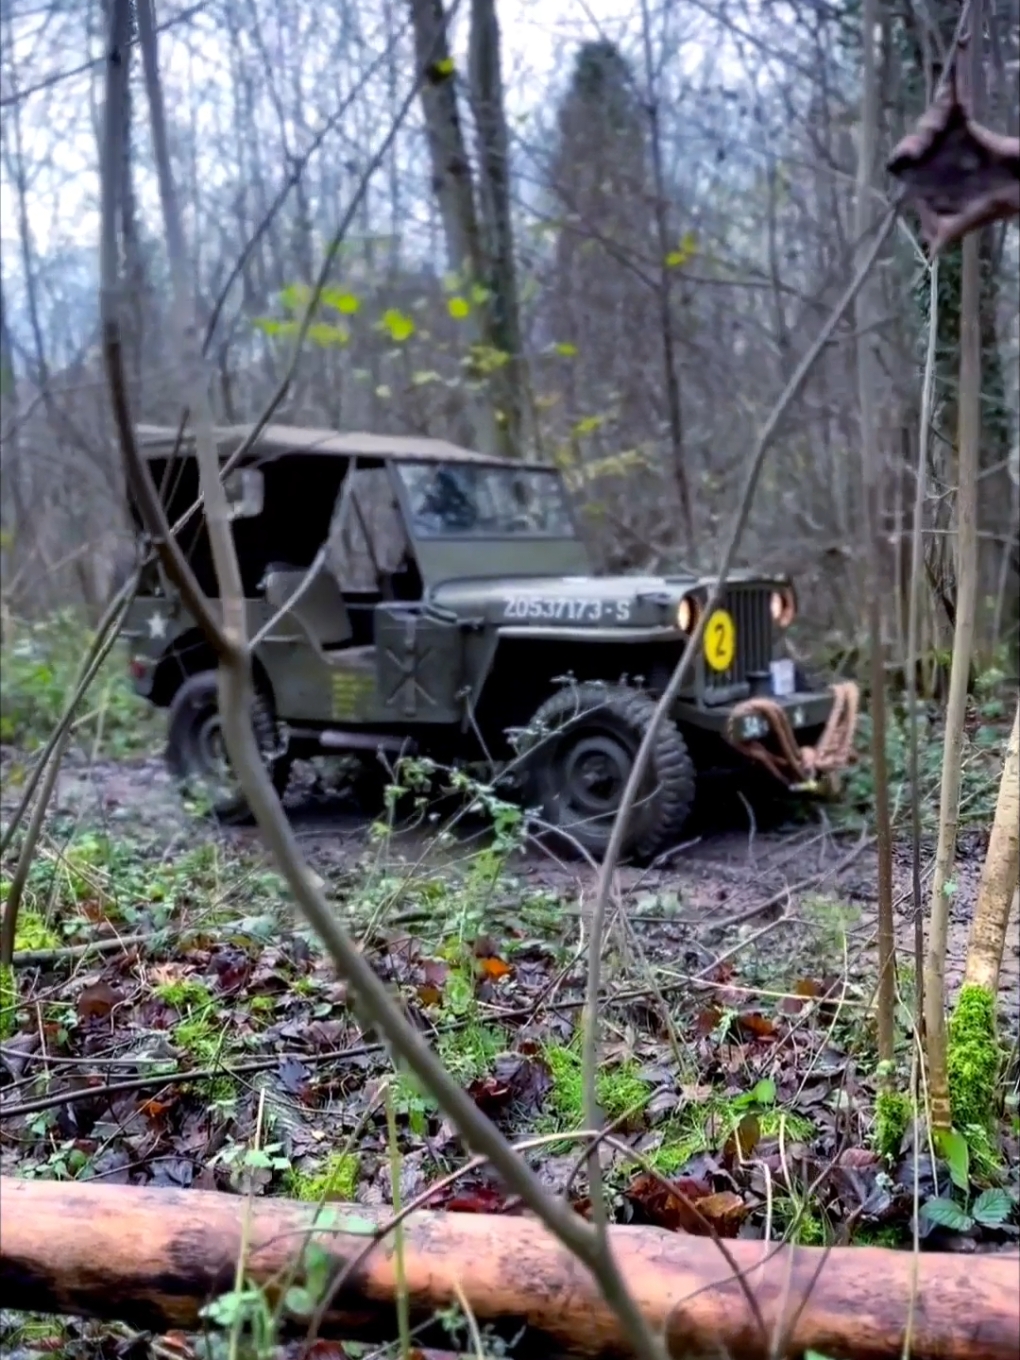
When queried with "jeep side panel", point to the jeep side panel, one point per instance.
{"points": [[420, 666]]}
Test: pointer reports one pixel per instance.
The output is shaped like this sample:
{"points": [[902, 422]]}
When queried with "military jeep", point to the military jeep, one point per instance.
{"points": [[408, 596]]}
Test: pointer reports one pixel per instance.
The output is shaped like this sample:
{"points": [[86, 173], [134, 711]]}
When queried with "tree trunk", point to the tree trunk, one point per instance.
{"points": [[454, 190], [998, 877], [154, 1258], [956, 708], [867, 379], [488, 108]]}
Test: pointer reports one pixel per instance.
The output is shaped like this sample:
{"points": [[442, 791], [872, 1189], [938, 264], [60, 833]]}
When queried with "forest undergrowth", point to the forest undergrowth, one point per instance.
{"points": [[171, 1022]]}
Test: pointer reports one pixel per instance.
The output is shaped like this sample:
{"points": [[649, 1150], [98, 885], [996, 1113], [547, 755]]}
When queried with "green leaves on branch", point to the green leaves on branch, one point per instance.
{"points": [[687, 248]]}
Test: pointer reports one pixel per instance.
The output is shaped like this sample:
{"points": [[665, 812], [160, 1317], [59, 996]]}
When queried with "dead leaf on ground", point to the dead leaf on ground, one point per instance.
{"points": [[743, 1140], [97, 1001], [494, 967], [671, 1207], [725, 1211]]}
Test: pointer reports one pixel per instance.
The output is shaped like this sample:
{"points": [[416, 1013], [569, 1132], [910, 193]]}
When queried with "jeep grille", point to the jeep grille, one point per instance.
{"points": [[749, 609]]}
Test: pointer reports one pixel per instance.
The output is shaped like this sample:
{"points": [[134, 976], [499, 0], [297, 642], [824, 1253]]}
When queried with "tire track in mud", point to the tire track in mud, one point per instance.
{"points": [[703, 893]]}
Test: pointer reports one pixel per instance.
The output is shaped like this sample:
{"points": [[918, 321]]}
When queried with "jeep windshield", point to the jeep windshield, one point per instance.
{"points": [[464, 500]]}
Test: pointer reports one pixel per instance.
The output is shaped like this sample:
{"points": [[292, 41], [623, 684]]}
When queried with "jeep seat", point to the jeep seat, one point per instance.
{"points": [[319, 611]]}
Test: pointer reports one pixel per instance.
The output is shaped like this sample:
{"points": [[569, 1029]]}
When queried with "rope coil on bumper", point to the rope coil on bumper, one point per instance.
{"points": [[802, 768]]}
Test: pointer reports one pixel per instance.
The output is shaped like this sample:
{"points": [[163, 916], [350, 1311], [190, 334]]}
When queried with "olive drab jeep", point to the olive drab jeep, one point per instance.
{"points": [[406, 596]]}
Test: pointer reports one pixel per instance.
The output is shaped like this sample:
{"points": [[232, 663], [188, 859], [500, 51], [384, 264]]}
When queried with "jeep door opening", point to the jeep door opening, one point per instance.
{"points": [[405, 595]]}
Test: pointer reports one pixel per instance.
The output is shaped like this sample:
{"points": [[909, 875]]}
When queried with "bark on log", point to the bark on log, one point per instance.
{"points": [[154, 1257]]}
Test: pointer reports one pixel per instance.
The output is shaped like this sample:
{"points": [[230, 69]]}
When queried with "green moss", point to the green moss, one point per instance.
{"points": [[892, 1116], [702, 1128], [808, 1230], [973, 1059], [203, 1042], [619, 1088], [887, 1236], [8, 1002], [184, 994], [33, 932], [336, 1179], [470, 1052]]}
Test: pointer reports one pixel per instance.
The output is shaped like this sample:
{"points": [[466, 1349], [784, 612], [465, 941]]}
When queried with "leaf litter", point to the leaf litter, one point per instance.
{"points": [[741, 1093]]}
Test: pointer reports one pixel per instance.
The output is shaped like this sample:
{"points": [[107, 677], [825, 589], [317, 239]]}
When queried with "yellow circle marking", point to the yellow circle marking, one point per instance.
{"points": [[720, 640]]}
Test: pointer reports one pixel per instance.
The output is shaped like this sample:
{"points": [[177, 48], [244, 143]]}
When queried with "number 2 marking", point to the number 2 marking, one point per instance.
{"points": [[720, 640]]}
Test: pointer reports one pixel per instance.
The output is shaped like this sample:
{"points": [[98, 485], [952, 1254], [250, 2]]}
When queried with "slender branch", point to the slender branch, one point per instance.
{"points": [[370, 995], [913, 622], [665, 703]]}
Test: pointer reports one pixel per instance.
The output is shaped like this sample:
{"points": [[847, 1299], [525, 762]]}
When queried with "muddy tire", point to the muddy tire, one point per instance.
{"points": [[196, 756], [578, 753]]}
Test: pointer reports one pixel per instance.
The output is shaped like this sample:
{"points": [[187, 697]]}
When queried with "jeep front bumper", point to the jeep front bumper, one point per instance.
{"points": [[765, 730]]}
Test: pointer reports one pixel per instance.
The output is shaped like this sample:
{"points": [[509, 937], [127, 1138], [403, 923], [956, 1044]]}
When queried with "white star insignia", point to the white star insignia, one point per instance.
{"points": [[157, 625]]}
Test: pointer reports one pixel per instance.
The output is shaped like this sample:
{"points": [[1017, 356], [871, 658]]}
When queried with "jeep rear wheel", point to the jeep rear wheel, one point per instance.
{"points": [[578, 755], [196, 754]]}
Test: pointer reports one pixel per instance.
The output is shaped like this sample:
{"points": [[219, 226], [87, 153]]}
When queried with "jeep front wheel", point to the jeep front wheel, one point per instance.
{"points": [[578, 755], [196, 754]]}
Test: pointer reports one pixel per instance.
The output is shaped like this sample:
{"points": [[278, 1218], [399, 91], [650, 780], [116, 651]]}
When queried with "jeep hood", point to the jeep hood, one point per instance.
{"points": [[573, 600]]}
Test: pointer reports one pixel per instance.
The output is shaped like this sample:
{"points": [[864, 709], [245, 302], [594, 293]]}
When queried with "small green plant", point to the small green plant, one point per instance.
{"points": [[38, 667], [993, 1208], [337, 1178]]}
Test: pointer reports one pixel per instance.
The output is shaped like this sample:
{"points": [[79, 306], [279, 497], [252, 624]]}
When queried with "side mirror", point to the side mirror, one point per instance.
{"points": [[245, 488]]}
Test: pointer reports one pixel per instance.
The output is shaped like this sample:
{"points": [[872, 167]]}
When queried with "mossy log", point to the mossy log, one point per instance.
{"points": [[153, 1258]]}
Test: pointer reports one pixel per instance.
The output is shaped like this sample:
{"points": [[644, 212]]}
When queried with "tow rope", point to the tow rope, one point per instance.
{"points": [[805, 769]]}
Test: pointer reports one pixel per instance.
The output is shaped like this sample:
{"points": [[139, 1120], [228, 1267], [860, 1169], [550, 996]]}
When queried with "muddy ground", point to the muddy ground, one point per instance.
{"points": [[774, 879]]}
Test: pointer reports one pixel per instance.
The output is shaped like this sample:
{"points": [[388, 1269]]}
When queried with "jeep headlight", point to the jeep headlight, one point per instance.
{"points": [[687, 613], [783, 606]]}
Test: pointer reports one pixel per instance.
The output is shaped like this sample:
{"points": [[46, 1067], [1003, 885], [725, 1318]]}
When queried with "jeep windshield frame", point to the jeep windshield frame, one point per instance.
{"points": [[517, 523], [479, 501]]}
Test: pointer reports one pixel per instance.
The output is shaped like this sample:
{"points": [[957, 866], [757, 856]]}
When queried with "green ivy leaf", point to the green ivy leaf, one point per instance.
{"points": [[424, 376], [953, 1147], [298, 1301], [946, 1213], [589, 424], [459, 308], [992, 1207], [399, 325], [566, 349], [444, 67], [479, 294], [764, 1092]]}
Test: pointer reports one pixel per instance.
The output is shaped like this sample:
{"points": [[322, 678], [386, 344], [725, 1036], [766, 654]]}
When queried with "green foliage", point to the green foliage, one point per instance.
{"points": [[980, 770], [336, 1179], [38, 667]]}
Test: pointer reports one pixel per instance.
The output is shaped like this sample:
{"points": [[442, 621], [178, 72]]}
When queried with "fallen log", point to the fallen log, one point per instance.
{"points": [[153, 1258]]}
